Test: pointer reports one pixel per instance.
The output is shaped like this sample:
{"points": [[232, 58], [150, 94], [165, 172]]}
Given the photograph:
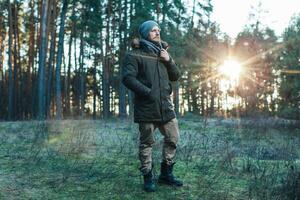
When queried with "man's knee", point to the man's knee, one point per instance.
{"points": [[146, 144], [172, 144], [173, 138], [146, 135]]}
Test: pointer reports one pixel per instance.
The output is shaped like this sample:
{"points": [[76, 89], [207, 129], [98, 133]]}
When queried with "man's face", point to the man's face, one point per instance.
{"points": [[154, 34]]}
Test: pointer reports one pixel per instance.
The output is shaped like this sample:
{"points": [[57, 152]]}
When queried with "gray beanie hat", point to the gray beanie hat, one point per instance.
{"points": [[146, 27]]}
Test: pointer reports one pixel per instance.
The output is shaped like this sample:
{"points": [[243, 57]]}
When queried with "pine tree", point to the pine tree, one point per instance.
{"points": [[289, 68], [59, 59], [42, 61]]}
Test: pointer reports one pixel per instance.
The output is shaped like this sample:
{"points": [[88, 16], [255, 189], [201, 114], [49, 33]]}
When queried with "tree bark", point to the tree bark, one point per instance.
{"points": [[31, 55], [94, 89], [81, 74], [51, 60], [122, 89], [42, 62], [106, 66], [68, 83], [193, 14], [59, 60], [16, 60], [2, 45], [10, 71]]}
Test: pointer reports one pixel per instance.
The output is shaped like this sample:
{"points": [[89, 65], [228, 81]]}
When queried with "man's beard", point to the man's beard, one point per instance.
{"points": [[156, 39]]}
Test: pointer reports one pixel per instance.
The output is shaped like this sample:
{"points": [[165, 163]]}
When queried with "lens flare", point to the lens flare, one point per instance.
{"points": [[231, 69]]}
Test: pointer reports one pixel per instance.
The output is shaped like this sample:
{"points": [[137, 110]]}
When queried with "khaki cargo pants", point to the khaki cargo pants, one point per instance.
{"points": [[170, 132]]}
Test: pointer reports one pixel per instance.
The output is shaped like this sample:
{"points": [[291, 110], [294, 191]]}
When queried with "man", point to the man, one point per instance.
{"points": [[147, 71]]}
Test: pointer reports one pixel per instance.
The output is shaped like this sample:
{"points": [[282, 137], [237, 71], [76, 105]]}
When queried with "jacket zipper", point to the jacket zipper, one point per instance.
{"points": [[161, 112]]}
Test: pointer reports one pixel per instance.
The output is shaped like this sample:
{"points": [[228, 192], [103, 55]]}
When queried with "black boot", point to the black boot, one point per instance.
{"points": [[149, 185], [166, 175]]}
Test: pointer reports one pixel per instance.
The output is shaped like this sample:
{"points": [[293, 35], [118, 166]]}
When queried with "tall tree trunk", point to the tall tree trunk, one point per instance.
{"points": [[158, 10], [193, 13], [111, 42], [76, 79], [64, 87], [164, 13], [10, 70], [94, 89], [31, 55], [82, 87], [194, 99], [81, 74], [35, 67], [176, 89], [105, 87], [101, 74], [122, 95], [2, 45], [212, 98], [59, 60], [106, 66], [122, 89], [68, 103], [189, 91], [202, 99], [16, 59], [68, 84], [212, 92], [20, 103], [51, 59], [42, 62]]}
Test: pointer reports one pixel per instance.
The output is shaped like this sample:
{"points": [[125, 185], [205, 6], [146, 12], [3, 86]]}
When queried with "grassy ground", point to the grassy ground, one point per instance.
{"points": [[85, 159]]}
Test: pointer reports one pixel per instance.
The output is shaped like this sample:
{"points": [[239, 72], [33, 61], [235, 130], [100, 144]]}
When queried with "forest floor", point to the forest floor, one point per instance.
{"points": [[217, 159]]}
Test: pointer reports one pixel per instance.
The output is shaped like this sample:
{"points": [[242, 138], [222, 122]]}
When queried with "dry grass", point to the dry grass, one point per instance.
{"points": [[85, 159]]}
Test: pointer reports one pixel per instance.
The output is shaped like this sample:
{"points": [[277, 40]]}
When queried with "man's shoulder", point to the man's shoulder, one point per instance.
{"points": [[134, 53]]}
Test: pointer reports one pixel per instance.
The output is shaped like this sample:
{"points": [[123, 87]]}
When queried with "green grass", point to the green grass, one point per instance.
{"points": [[85, 159]]}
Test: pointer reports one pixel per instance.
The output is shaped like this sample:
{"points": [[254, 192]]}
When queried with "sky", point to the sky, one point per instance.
{"points": [[233, 15]]}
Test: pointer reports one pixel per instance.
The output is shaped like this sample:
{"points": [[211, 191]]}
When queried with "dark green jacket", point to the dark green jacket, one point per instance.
{"points": [[149, 78]]}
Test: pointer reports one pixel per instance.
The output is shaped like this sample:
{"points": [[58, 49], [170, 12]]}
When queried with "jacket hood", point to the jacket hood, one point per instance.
{"points": [[135, 44]]}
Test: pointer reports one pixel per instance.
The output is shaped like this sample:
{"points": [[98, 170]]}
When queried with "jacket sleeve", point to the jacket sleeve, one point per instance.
{"points": [[173, 70], [129, 76]]}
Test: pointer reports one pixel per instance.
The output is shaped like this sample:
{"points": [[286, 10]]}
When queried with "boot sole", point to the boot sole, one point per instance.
{"points": [[160, 181], [149, 191]]}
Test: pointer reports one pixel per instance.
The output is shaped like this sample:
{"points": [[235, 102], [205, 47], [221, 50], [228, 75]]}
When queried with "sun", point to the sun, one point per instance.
{"points": [[229, 72], [231, 69]]}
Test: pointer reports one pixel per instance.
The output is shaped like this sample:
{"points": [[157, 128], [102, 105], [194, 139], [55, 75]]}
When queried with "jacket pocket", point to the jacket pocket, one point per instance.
{"points": [[153, 95]]}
